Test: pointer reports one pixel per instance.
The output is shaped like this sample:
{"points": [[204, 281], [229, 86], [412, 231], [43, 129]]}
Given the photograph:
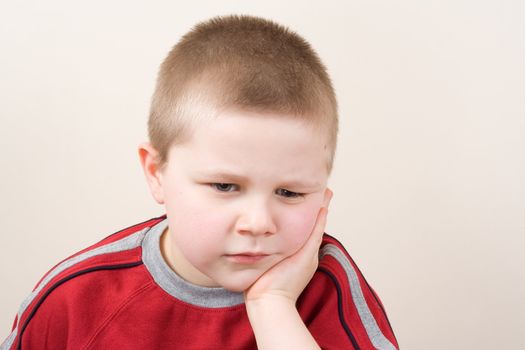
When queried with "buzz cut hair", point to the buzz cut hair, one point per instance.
{"points": [[240, 62]]}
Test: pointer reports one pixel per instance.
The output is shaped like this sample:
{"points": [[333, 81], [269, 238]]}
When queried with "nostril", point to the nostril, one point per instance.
{"points": [[256, 218]]}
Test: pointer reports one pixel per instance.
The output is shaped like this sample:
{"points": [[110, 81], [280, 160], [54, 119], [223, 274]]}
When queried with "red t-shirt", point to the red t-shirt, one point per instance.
{"points": [[121, 294]]}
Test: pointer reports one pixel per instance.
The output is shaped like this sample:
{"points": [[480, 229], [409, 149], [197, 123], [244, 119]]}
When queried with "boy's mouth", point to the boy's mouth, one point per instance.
{"points": [[246, 258]]}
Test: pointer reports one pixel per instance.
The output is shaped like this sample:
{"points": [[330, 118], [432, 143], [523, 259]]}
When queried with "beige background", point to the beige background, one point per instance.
{"points": [[429, 175]]}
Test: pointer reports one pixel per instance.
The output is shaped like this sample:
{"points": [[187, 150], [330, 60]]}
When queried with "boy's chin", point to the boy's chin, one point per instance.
{"points": [[236, 286], [235, 289], [239, 285]]}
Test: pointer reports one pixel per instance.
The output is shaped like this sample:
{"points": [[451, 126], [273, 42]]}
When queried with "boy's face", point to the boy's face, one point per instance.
{"points": [[232, 197]]}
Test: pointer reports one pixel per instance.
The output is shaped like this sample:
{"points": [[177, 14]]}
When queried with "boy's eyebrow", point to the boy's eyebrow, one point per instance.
{"points": [[239, 178]]}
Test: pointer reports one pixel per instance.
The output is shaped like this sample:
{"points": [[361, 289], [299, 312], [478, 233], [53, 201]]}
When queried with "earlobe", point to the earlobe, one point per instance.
{"points": [[149, 161]]}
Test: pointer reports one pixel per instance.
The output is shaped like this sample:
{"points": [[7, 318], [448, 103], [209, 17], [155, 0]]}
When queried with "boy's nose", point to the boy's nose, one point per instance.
{"points": [[256, 219]]}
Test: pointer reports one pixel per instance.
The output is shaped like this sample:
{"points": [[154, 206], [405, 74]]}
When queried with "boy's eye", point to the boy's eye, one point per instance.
{"points": [[289, 194], [222, 187], [226, 187]]}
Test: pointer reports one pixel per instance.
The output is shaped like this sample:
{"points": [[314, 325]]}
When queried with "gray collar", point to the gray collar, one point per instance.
{"points": [[173, 284]]}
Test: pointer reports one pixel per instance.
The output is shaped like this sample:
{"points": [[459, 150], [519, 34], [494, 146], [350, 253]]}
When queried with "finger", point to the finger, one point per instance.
{"points": [[328, 197], [321, 223], [316, 236]]}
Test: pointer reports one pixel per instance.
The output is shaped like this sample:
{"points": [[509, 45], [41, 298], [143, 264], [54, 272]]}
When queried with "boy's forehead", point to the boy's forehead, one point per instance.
{"points": [[254, 130], [235, 147], [227, 175], [237, 143], [234, 121]]}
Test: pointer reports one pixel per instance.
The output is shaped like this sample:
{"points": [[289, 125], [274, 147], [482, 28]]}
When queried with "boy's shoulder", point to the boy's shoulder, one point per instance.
{"points": [[121, 248], [343, 289], [120, 240], [336, 262], [93, 274]]}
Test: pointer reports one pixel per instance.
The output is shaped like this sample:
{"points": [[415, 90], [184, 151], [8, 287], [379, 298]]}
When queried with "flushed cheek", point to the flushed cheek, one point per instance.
{"points": [[297, 226], [193, 213], [197, 233]]}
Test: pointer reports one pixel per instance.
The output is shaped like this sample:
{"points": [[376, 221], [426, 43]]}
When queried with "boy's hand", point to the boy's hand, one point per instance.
{"points": [[288, 278]]}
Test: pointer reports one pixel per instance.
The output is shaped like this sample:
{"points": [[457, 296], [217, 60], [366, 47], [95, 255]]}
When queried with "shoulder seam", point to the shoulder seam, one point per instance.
{"points": [[108, 319], [62, 281]]}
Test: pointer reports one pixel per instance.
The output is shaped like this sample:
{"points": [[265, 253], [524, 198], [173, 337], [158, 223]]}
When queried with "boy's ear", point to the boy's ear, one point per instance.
{"points": [[150, 164]]}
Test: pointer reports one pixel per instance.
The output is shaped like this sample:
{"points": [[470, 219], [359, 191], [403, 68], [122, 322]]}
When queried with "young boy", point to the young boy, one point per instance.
{"points": [[243, 130]]}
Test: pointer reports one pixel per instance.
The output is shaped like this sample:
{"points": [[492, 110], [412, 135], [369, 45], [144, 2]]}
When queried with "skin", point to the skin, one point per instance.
{"points": [[270, 159]]}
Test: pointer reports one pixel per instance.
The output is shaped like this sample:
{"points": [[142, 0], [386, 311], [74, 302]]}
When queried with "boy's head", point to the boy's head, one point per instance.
{"points": [[245, 63], [243, 128]]}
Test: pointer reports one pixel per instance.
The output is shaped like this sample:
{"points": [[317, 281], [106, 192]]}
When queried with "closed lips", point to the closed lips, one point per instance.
{"points": [[247, 254]]}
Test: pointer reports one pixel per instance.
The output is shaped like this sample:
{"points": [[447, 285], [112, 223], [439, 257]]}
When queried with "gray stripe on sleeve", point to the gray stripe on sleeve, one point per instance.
{"points": [[126, 243], [377, 338], [9, 341]]}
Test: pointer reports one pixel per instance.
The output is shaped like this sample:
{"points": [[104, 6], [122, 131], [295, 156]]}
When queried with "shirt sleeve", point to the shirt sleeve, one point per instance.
{"points": [[360, 312]]}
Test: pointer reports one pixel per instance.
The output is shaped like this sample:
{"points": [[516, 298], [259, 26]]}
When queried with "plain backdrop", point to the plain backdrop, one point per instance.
{"points": [[429, 174]]}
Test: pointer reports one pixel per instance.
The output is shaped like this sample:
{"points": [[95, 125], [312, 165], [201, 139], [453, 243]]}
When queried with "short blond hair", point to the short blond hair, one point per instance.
{"points": [[242, 62]]}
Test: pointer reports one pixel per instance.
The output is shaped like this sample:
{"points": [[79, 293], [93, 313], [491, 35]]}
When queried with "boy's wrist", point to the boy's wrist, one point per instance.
{"points": [[269, 307], [277, 324], [269, 301]]}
